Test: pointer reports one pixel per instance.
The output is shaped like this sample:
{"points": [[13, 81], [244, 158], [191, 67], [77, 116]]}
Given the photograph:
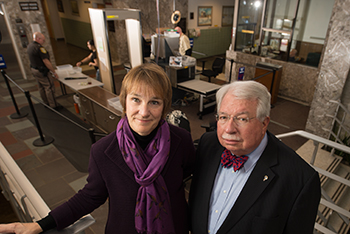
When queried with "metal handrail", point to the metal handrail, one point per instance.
{"points": [[316, 140], [26, 201], [326, 201]]}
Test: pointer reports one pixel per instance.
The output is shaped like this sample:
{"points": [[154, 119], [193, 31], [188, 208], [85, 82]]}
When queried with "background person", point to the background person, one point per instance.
{"points": [[91, 59], [139, 168], [42, 69], [184, 43], [271, 189]]}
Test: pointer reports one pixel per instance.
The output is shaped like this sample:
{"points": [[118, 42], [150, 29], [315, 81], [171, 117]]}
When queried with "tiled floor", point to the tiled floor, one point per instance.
{"points": [[51, 173]]}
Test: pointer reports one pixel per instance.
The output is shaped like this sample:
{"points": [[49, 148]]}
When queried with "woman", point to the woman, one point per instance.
{"points": [[139, 168], [91, 59]]}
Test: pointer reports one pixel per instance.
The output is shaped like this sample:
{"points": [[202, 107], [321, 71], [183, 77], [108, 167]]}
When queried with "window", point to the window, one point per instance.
{"points": [[287, 30]]}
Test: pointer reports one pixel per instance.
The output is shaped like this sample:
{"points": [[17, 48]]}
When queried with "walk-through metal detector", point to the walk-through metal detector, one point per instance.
{"points": [[99, 25]]}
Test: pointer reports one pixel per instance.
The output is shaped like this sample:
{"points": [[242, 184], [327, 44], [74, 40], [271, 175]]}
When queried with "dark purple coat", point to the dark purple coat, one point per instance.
{"points": [[110, 177]]}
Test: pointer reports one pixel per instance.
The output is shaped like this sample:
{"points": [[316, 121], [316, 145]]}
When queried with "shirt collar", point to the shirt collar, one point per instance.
{"points": [[254, 156]]}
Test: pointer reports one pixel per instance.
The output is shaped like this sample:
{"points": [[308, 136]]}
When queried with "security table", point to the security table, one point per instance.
{"points": [[203, 88], [76, 81]]}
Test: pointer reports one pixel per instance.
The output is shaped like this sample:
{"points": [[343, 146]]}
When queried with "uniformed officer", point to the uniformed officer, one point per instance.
{"points": [[42, 69]]}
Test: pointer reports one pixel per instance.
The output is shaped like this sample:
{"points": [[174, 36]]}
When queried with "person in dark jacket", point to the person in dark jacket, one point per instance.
{"points": [[139, 168], [91, 59], [246, 180], [42, 69]]}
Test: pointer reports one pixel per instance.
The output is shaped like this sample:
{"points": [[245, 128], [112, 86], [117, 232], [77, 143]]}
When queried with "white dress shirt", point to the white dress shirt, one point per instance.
{"points": [[227, 187]]}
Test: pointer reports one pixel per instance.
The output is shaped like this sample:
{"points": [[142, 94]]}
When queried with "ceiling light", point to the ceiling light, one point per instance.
{"points": [[257, 4]]}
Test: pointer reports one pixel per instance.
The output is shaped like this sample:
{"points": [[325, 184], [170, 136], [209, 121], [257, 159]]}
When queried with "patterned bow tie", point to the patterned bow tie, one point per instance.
{"points": [[227, 160]]}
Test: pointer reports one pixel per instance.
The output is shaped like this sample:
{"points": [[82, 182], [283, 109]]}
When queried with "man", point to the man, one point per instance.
{"points": [[275, 190], [42, 69], [184, 43]]}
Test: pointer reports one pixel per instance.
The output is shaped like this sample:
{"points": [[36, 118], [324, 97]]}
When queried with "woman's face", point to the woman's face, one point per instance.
{"points": [[88, 45], [143, 110]]}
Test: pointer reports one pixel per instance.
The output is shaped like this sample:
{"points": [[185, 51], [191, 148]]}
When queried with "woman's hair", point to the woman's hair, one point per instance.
{"points": [[249, 90], [91, 42], [150, 76]]}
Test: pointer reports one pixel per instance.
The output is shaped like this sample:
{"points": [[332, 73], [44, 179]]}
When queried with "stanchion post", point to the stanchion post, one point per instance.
{"points": [[92, 135], [42, 141], [18, 114]]}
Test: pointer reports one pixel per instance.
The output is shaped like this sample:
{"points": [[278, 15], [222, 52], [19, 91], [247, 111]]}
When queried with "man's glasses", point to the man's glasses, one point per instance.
{"points": [[239, 120]]}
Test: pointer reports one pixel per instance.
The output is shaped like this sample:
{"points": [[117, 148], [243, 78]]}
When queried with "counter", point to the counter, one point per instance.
{"points": [[96, 109]]}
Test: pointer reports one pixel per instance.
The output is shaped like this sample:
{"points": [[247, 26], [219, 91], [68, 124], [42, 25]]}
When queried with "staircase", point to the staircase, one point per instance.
{"points": [[333, 214], [323, 154]]}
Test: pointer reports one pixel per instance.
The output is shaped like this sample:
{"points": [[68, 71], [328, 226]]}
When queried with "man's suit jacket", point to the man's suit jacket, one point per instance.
{"points": [[110, 177], [286, 201]]}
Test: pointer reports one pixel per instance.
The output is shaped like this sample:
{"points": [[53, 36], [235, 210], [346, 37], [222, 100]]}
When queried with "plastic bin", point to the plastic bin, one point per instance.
{"points": [[115, 103]]}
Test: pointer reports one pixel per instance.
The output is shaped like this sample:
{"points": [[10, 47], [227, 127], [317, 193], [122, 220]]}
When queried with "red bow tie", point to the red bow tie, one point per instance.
{"points": [[227, 160]]}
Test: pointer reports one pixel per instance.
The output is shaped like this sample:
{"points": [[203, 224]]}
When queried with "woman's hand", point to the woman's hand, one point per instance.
{"points": [[20, 228]]}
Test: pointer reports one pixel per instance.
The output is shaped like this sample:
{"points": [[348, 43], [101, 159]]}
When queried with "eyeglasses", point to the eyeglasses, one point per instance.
{"points": [[239, 120]]}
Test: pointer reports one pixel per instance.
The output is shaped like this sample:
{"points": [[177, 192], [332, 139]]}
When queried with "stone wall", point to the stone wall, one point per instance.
{"points": [[297, 81], [13, 12], [334, 70]]}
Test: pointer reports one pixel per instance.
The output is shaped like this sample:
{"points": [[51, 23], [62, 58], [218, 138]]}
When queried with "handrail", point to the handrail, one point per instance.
{"points": [[18, 181], [344, 108], [18, 189], [316, 138], [326, 200]]}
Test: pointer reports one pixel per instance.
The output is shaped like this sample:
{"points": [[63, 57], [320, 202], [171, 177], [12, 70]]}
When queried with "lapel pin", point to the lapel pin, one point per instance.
{"points": [[265, 178]]}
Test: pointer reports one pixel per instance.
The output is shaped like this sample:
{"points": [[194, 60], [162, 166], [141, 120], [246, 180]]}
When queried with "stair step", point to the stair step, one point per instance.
{"points": [[333, 219], [331, 168]]}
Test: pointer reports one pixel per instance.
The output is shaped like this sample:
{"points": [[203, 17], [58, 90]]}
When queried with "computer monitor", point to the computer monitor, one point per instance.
{"points": [[168, 46]]}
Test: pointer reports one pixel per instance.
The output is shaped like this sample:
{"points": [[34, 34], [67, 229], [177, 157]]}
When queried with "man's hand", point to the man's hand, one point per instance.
{"points": [[20, 228], [54, 75]]}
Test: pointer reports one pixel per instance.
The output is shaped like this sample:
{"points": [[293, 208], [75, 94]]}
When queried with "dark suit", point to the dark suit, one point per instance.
{"points": [[286, 202], [111, 178]]}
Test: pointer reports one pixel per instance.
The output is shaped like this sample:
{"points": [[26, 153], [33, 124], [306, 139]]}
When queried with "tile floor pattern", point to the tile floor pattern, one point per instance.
{"points": [[50, 172]]}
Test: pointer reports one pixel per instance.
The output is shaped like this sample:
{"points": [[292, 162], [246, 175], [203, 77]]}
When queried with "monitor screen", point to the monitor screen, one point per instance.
{"points": [[168, 46]]}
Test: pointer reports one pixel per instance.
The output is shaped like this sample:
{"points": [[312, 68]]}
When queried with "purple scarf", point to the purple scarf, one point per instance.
{"points": [[153, 210]]}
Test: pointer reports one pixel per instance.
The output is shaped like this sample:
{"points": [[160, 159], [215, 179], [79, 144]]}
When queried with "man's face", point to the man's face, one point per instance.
{"points": [[240, 139], [41, 40]]}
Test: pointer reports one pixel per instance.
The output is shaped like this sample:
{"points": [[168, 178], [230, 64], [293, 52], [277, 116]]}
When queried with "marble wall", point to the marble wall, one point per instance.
{"points": [[334, 70], [297, 81], [13, 13]]}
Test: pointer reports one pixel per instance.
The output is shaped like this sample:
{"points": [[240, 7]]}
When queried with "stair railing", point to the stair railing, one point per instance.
{"points": [[325, 200]]}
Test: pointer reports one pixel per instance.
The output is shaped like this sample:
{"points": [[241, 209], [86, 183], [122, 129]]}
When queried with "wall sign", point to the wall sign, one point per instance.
{"points": [[2, 62], [29, 6], [241, 73]]}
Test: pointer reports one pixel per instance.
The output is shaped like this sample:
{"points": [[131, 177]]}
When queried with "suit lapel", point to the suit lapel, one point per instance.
{"points": [[175, 143], [260, 178], [113, 153]]}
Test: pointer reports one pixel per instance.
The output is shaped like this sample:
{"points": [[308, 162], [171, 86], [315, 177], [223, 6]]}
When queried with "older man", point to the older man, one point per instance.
{"points": [[246, 180], [42, 69]]}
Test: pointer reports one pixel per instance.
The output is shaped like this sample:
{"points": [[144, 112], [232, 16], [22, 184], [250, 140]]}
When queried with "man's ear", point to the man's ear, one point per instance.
{"points": [[265, 123]]}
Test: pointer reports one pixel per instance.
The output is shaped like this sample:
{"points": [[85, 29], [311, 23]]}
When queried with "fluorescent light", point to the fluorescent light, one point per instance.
{"points": [[257, 4]]}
